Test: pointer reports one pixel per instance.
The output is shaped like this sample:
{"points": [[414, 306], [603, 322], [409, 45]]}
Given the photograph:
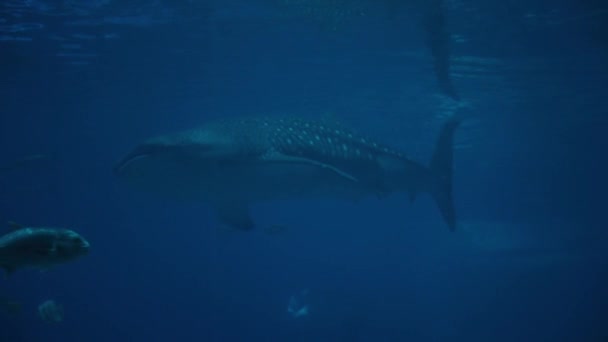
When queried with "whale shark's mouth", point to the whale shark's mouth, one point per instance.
{"points": [[174, 153], [142, 152]]}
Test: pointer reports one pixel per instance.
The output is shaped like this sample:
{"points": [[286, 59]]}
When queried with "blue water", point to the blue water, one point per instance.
{"points": [[82, 82]]}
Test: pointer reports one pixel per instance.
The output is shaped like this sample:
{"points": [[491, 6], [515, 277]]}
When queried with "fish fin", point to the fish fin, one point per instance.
{"points": [[441, 168], [235, 214], [281, 158]]}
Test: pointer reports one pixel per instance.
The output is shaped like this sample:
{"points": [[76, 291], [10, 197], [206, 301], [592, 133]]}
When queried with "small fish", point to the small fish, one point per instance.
{"points": [[39, 247]]}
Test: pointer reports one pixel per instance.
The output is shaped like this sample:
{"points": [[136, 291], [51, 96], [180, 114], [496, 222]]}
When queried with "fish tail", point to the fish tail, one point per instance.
{"points": [[441, 169]]}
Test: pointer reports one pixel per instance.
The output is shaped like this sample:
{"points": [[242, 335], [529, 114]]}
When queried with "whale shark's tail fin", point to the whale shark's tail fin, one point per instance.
{"points": [[441, 168]]}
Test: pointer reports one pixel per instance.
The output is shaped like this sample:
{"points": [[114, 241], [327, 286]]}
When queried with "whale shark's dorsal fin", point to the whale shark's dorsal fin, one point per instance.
{"points": [[282, 158]]}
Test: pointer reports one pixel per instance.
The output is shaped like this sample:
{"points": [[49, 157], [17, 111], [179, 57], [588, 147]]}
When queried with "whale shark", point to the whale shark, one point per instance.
{"points": [[233, 163]]}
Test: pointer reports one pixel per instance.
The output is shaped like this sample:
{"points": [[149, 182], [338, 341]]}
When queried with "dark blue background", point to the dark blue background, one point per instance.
{"points": [[528, 264]]}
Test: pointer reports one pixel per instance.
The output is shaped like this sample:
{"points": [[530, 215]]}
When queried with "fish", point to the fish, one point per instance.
{"points": [[39, 247], [233, 163]]}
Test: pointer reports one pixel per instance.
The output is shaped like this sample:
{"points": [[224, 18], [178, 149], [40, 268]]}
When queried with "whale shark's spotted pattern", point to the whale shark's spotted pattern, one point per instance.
{"points": [[320, 141]]}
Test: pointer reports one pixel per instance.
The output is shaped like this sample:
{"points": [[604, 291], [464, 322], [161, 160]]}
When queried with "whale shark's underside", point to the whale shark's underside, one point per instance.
{"points": [[232, 163]]}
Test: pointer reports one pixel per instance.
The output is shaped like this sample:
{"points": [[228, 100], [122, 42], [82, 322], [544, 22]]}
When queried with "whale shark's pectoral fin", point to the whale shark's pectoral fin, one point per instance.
{"points": [[235, 214], [282, 158]]}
